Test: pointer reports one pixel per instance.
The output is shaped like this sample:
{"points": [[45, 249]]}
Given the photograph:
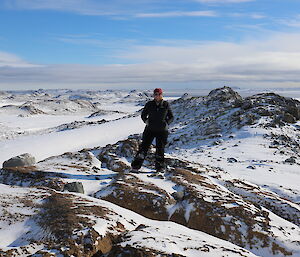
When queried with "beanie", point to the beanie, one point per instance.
{"points": [[158, 90]]}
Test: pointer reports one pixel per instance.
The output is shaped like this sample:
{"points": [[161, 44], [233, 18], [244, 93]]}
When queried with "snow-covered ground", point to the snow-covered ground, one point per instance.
{"points": [[37, 133], [46, 145], [48, 124], [255, 161]]}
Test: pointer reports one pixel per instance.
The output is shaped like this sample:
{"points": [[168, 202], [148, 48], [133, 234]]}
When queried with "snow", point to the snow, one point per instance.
{"points": [[251, 149], [189, 207], [15, 217], [43, 146], [167, 185], [169, 237], [8, 234]]}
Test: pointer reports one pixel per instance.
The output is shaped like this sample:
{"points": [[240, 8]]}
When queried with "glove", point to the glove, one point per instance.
{"points": [[147, 122]]}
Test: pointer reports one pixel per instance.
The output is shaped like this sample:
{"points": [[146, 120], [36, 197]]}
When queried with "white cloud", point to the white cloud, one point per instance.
{"points": [[223, 1], [114, 8], [85, 7], [11, 60], [273, 61], [256, 16], [177, 14], [294, 22]]}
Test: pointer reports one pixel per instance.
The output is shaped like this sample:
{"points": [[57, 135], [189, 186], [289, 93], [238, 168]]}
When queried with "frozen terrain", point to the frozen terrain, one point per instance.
{"points": [[231, 188]]}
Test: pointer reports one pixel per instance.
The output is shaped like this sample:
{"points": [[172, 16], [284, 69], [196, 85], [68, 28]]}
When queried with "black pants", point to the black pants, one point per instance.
{"points": [[161, 138]]}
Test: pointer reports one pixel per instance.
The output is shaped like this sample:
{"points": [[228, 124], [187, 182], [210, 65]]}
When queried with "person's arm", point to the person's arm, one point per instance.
{"points": [[170, 116], [145, 113]]}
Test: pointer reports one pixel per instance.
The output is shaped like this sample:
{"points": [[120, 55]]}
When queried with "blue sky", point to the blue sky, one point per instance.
{"points": [[132, 44]]}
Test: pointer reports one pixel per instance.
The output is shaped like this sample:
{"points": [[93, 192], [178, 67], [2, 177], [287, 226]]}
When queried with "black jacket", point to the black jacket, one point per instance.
{"points": [[158, 116]]}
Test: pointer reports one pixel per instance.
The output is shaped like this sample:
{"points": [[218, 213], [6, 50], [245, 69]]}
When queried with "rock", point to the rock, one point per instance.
{"points": [[289, 118], [22, 160], [291, 160], [178, 196], [218, 142], [185, 96], [231, 160], [251, 167], [294, 111], [74, 187], [250, 119], [224, 94], [246, 105], [31, 109]]}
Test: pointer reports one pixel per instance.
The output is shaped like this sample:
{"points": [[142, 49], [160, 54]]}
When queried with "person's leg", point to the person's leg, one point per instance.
{"points": [[147, 139], [161, 141]]}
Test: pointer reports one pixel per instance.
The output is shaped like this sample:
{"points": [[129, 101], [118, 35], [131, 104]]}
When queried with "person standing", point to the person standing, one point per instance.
{"points": [[157, 115]]}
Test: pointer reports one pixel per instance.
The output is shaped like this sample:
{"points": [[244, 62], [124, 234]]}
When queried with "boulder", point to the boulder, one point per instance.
{"points": [[22, 160], [74, 187], [291, 160], [178, 196], [231, 160]]}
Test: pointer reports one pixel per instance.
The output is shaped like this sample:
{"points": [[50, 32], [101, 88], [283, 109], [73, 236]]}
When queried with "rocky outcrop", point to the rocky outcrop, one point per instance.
{"points": [[200, 201], [22, 160], [31, 109], [75, 125], [73, 225], [280, 109], [225, 95], [74, 187], [224, 111]]}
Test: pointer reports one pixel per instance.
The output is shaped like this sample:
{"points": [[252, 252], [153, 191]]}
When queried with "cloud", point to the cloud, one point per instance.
{"points": [[96, 40], [294, 22], [86, 7], [273, 61], [177, 14], [114, 8], [11, 60], [256, 16], [223, 1]]}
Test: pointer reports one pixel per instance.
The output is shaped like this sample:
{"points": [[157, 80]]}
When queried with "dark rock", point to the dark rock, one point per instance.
{"points": [[217, 142], [291, 160], [231, 160], [22, 160], [289, 118], [31, 109], [246, 105], [250, 119], [224, 94], [74, 187], [294, 111], [178, 196]]}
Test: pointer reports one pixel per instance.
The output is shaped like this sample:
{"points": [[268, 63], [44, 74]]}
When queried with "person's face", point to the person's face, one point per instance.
{"points": [[157, 96]]}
